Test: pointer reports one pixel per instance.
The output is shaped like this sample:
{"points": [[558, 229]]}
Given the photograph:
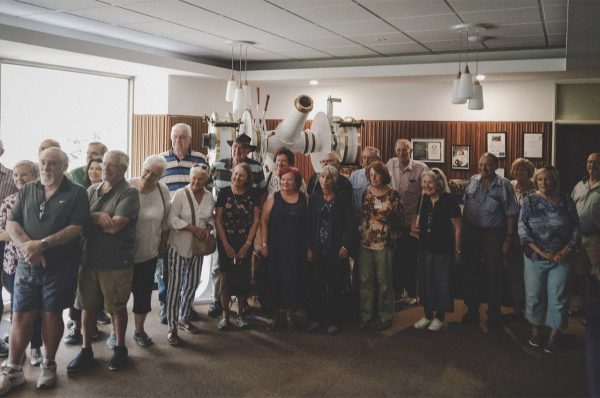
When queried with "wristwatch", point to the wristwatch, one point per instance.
{"points": [[45, 246]]}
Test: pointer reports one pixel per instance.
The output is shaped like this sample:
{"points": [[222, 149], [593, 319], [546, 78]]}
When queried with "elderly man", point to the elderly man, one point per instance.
{"points": [[359, 179], [221, 174], [343, 185], [180, 159], [46, 222], [48, 143], [489, 227], [406, 179], [95, 150], [106, 271]]}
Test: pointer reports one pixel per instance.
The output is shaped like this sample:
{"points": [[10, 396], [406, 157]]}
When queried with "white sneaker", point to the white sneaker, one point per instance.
{"points": [[36, 357], [10, 378], [422, 323], [436, 325], [47, 377]]}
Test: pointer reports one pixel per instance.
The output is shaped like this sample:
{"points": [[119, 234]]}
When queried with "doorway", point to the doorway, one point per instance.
{"points": [[574, 142]]}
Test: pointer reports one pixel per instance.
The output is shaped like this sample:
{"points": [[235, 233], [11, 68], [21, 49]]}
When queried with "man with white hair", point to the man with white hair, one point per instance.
{"points": [[46, 222], [180, 159], [106, 271]]}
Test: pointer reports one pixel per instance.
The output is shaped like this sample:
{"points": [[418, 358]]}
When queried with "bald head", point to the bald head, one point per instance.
{"points": [[48, 143]]}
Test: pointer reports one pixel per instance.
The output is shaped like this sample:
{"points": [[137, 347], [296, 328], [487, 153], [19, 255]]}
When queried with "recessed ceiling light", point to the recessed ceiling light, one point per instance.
{"points": [[480, 77], [314, 82]]}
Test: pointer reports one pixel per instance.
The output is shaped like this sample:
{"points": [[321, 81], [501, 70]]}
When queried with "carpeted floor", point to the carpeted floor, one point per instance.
{"points": [[464, 360]]}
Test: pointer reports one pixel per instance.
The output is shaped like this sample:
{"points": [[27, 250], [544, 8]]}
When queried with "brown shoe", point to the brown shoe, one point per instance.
{"points": [[188, 327], [172, 337]]}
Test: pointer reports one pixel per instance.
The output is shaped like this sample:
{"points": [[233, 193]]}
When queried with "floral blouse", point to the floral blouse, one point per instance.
{"points": [[11, 252], [381, 219], [237, 214]]}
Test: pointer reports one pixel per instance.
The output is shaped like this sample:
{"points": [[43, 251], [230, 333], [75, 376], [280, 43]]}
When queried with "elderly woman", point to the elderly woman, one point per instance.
{"points": [[522, 172], [548, 230], [438, 226], [184, 266], [330, 233], [283, 233], [283, 158], [237, 218], [24, 171], [93, 172], [152, 231], [381, 217]]}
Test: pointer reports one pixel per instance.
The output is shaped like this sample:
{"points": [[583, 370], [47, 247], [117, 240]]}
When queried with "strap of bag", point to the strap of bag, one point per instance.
{"points": [[189, 196], [163, 199]]}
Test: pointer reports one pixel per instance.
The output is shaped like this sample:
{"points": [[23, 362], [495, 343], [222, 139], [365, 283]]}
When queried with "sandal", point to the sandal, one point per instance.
{"points": [[188, 327], [172, 337]]}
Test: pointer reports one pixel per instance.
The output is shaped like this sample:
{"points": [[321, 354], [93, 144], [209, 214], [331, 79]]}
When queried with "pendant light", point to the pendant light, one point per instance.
{"points": [[455, 98], [465, 85], [238, 99], [231, 83], [246, 87], [476, 100]]}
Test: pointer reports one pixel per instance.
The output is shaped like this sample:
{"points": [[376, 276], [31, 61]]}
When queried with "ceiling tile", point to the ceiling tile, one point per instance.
{"points": [[358, 28], [406, 8], [65, 5], [517, 41], [558, 13], [169, 10], [433, 35], [284, 46], [426, 22], [525, 29], [304, 54], [551, 3], [398, 48], [302, 32], [328, 42], [451, 45], [350, 51], [500, 17], [486, 5], [327, 15], [557, 40], [11, 7], [381, 38], [113, 15], [295, 5], [557, 27]]}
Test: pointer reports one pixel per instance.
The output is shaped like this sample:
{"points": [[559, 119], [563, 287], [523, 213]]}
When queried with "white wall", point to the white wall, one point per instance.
{"points": [[151, 94], [504, 101]]}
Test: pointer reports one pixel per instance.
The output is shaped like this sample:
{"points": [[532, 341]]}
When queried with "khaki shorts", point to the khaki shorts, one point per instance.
{"points": [[591, 247], [103, 289]]}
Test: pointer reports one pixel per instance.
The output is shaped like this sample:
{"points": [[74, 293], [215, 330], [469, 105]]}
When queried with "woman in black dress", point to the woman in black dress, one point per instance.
{"points": [[283, 233], [237, 217]]}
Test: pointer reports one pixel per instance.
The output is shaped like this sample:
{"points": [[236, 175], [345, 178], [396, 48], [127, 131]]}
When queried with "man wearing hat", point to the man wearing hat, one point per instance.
{"points": [[221, 175]]}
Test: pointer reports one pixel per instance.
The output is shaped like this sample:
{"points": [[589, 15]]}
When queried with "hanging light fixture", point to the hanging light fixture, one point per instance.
{"points": [[246, 87], [231, 83], [465, 84], [476, 100], [238, 99], [455, 98]]}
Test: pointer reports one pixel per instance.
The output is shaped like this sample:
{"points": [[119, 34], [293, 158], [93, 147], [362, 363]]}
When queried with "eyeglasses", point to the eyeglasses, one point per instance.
{"points": [[42, 210], [327, 161]]}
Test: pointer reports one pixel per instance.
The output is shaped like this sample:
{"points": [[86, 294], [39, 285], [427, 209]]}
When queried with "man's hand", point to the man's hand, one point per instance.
{"points": [[102, 219], [32, 251]]}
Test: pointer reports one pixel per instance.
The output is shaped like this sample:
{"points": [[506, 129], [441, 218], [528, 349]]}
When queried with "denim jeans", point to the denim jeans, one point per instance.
{"points": [[546, 292]]}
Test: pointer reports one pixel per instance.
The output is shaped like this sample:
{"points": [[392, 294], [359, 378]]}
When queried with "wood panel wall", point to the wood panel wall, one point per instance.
{"points": [[151, 135]]}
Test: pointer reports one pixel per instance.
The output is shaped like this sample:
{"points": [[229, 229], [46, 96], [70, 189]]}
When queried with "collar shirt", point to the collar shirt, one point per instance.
{"points": [[407, 181], [587, 202], [177, 173], [222, 169], [7, 185], [489, 208], [359, 182]]}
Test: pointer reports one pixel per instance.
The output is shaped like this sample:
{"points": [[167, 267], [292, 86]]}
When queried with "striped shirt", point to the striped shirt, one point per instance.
{"points": [[177, 174], [221, 174], [7, 185]]}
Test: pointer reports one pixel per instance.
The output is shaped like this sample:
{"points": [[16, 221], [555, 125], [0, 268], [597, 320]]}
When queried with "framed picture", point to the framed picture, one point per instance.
{"points": [[461, 155], [428, 149], [496, 144], [533, 145]]}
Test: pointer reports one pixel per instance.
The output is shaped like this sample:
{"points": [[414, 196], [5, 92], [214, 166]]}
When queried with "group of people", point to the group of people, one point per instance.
{"points": [[391, 229]]}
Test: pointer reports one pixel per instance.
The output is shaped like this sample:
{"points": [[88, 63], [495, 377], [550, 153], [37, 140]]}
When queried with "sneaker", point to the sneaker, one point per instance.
{"points": [[551, 347], [10, 378], [436, 325], [36, 357], [103, 319], [536, 340], [82, 361], [162, 314], [333, 329], [172, 337], [422, 323], [111, 342], [70, 324], [142, 338], [242, 323], [47, 377], [215, 309], [224, 324], [3, 349], [73, 337], [119, 358]]}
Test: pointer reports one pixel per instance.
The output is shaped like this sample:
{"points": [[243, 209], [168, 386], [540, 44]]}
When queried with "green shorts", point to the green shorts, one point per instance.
{"points": [[103, 289]]}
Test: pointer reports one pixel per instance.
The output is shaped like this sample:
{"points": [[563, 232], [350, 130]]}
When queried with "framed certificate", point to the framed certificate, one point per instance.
{"points": [[533, 145], [496, 144], [428, 149]]}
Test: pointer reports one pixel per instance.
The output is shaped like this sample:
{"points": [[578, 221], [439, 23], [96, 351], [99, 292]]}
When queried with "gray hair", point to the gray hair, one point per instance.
{"points": [[336, 156], [404, 141], [34, 168], [200, 168], [122, 157], [439, 177], [373, 150], [61, 154], [104, 147], [187, 127], [330, 171], [157, 160]]}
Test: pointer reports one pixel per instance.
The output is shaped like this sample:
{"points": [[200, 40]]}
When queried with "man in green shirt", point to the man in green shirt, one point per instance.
{"points": [[95, 150]]}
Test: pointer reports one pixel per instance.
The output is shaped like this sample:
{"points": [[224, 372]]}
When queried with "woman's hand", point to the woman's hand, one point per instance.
{"points": [[243, 252], [264, 251], [343, 253], [415, 230], [229, 250], [561, 255], [310, 255]]}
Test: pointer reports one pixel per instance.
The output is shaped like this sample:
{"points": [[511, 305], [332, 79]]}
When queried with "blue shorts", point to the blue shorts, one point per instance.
{"points": [[47, 289]]}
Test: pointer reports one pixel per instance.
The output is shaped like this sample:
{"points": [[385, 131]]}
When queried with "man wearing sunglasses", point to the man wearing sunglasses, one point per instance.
{"points": [[46, 223]]}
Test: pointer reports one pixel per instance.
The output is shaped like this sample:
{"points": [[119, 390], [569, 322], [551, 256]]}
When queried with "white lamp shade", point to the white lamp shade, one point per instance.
{"points": [[455, 98], [231, 86], [465, 85], [247, 96], [476, 101], [238, 102]]}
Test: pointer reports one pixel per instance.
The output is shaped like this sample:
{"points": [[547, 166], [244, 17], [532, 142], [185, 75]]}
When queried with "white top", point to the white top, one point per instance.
{"points": [[153, 218], [181, 215]]}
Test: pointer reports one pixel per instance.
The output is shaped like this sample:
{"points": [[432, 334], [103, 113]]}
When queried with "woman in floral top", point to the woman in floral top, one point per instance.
{"points": [[381, 217], [237, 220], [548, 230]]}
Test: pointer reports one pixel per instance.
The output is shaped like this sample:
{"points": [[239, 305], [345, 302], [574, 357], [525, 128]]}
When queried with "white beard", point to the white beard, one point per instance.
{"points": [[46, 179]]}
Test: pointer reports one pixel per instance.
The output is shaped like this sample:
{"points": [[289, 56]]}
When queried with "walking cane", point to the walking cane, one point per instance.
{"points": [[417, 220]]}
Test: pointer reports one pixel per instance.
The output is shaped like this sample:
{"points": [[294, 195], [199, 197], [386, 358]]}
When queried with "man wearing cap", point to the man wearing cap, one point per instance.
{"points": [[221, 174]]}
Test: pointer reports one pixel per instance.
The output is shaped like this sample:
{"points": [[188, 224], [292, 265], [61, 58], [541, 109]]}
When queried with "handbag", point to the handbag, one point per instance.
{"points": [[200, 247]]}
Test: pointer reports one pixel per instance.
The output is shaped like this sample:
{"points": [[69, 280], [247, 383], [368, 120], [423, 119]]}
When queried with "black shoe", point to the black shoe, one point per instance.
{"points": [[536, 340], [470, 317], [551, 347], [119, 358], [192, 316], [103, 319], [82, 361], [215, 310], [162, 314], [73, 337]]}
